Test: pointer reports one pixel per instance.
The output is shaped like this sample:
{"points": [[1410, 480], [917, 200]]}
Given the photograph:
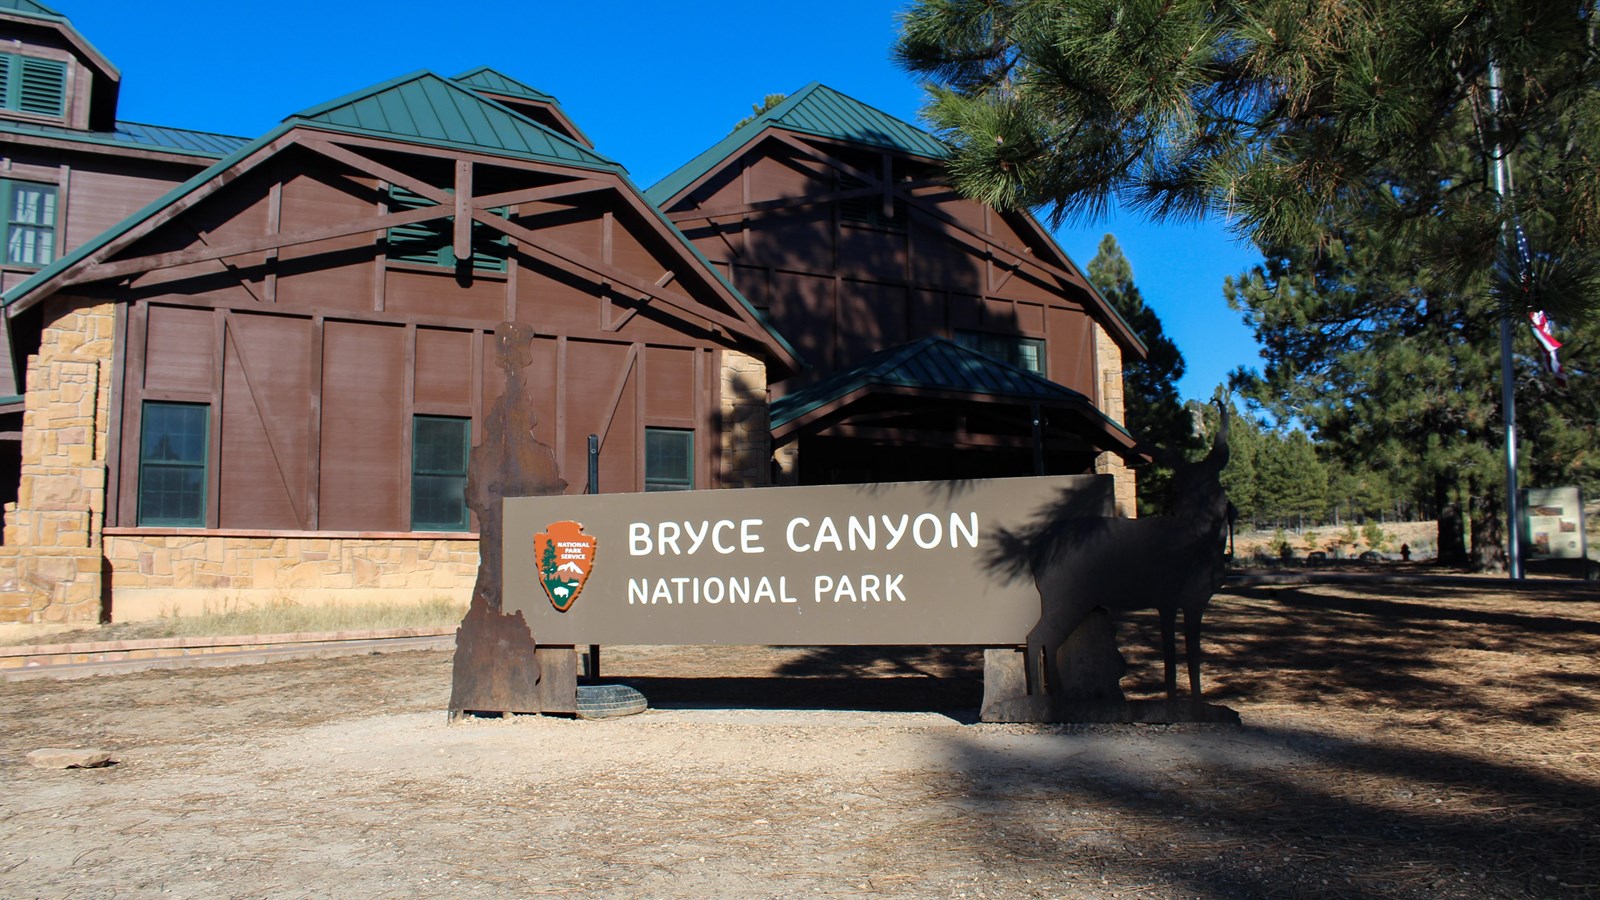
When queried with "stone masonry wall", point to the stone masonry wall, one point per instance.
{"points": [[746, 437], [155, 575], [51, 564], [1108, 357]]}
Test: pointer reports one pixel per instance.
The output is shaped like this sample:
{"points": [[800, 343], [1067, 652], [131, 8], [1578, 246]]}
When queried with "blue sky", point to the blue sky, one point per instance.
{"points": [[651, 83]]}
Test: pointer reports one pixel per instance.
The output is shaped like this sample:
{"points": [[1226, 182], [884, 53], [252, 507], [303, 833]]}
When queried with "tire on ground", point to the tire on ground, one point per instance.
{"points": [[603, 701]]}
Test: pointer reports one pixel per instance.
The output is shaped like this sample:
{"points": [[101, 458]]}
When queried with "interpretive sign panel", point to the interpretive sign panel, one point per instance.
{"points": [[1554, 523], [911, 563]]}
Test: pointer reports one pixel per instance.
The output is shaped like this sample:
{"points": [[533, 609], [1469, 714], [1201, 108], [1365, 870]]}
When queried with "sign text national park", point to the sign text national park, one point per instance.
{"points": [[913, 563]]}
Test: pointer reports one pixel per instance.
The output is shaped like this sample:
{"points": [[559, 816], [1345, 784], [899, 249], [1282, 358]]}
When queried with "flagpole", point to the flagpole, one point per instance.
{"points": [[1508, 389]]}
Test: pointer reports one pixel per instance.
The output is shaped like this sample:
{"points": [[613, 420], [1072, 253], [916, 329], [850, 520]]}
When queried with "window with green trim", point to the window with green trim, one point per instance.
{"points": [[173, 454], [1022, 352], [430, 243], [29, 210], [440, 446], [33, 85], [668, 459]]}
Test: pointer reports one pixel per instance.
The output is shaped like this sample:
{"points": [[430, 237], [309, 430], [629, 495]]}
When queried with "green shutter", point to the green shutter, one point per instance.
{"points": [[429, 243], [43, 86], [33, 85]]}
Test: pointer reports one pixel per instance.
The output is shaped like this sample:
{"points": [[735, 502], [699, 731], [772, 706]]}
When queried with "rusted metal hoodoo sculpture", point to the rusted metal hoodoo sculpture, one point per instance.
{"points": [[1163, 562], [497, 668]]}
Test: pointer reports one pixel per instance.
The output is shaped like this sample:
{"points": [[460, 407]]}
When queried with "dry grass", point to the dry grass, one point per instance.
{"points": [[284, 617]]}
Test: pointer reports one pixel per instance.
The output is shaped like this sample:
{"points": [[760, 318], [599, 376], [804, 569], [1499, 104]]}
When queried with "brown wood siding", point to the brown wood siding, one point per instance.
{"points": [[315, 363], [444, 372], [266, 393], [872, 316], [938, 260], [600, 397], [933, 277], [577, 229], [179, 350], [103, 192], [802, 309], [411, 292], [670, 392], [556, 302], [786, 240], [1071, 350], [364, 458]]}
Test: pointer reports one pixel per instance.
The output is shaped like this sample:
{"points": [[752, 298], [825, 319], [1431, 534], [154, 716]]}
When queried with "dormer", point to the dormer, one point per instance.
{"points": [[520, 98], [51, 75]]}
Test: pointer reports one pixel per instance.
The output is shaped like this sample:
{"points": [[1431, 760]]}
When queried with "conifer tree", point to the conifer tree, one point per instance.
{"points": [[1280, 116]]}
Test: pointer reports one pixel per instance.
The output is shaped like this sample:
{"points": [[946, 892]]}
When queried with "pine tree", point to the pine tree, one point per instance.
{"points": [[1151, 408], [1397, 374], [1280, 116], [756, 109]]}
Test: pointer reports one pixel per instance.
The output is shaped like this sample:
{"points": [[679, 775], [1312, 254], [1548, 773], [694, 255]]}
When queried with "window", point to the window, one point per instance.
{"points": [[33, 85], [30, 222], [440, 446], [668, 459], [172, 463], [1022, 352], [429, 243]]}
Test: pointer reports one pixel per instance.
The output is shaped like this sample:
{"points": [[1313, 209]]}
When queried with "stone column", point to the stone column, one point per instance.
{"points": [[51, 564], [746, 438], [1108, 359]]}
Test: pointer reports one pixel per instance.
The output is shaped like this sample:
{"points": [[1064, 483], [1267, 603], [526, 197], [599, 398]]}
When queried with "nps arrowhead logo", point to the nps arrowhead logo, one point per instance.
{"points": [[566, 557]]}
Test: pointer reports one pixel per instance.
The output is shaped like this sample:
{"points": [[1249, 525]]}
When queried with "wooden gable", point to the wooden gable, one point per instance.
{"points": [[851, 249], [269, 294]]}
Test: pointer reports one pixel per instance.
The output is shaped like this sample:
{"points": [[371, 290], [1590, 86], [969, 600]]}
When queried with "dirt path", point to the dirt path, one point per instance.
{"points": [[1436, 743]]}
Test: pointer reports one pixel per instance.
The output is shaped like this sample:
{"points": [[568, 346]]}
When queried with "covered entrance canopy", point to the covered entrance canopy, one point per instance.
{"points": [[932, 409]]}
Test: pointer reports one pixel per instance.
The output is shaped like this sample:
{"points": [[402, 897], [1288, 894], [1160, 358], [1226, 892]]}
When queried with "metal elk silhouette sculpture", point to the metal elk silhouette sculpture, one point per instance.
{"points": [[1167, 563]]}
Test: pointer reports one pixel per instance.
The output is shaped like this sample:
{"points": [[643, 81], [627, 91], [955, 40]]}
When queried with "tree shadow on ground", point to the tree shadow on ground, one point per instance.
{"points": [[1434, 740], [891, 679], [1355, 819]]}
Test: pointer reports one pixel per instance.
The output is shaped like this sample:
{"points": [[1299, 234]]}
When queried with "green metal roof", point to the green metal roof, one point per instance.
{"points": [[499, 83], [933, 363], [33, 10], [30, 8], [815, 109], [487, 79], [134, 135], [425, 108], [422, 108]]}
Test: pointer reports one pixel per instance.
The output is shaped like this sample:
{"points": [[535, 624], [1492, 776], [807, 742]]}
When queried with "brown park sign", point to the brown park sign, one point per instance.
{"points": [[908, 563]]}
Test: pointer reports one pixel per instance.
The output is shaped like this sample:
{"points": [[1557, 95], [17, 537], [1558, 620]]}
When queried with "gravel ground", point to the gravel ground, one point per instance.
{"points": [[1398, 741]]}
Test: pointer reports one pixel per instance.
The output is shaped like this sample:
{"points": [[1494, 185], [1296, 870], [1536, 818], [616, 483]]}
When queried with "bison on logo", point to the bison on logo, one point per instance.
{"points": [[566, 557]]}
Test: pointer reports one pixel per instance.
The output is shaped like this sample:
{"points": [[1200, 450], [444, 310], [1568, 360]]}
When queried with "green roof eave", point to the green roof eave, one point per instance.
{"points": [[815, 110], [111, 139], [501, 83], [402, 102], [602, 165], [934, 364], [484, 78], [24, 9], [38, 279]]}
